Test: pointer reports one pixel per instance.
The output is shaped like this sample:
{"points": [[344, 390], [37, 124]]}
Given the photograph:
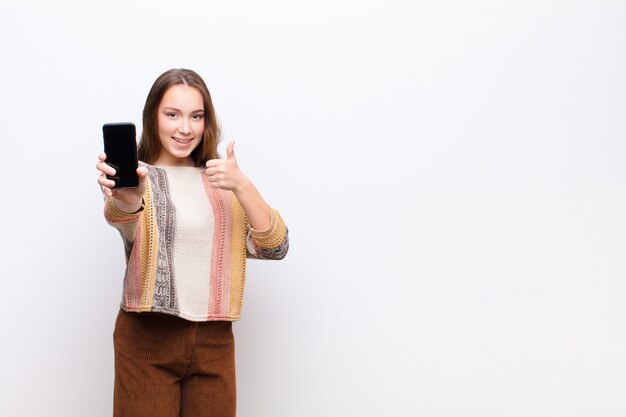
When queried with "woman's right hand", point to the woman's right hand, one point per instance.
{"points": [[127, 200]]}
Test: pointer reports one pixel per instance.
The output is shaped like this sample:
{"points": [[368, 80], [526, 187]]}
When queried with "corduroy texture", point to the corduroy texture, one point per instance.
{"points": [[166, 366]]}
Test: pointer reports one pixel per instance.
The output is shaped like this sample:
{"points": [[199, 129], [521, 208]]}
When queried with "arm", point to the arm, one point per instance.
{"points": [[257, 211], [272, 243], [226, 175], [127, 200], [122, 207], [267, 234]]}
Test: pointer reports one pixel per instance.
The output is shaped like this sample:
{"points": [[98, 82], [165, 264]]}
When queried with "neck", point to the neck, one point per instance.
{"points": [[174, 162]]}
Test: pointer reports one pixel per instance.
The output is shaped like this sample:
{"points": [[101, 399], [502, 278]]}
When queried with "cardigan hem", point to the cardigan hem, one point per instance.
{"points": [[148, 309]]}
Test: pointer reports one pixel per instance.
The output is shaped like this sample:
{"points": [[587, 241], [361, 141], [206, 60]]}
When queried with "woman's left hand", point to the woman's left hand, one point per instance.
{"points": [[225, 173]]}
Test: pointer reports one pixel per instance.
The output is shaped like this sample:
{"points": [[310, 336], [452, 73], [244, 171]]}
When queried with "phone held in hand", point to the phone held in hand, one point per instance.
{"points": [[120, 147]]}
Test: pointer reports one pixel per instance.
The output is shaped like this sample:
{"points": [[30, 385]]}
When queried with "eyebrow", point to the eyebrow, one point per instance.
{"points": [[178, 110]]}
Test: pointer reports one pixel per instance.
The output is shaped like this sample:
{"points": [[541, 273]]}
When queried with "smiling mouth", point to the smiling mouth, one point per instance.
{"points": [[183, 141]]}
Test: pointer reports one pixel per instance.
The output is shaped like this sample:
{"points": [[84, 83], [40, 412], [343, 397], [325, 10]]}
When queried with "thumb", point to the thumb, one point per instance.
{"points": [[142, 172], [230, 150]]}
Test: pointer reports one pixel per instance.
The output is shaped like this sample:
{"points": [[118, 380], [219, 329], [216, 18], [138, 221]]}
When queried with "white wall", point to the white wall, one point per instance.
{"points": [[452, 173]]}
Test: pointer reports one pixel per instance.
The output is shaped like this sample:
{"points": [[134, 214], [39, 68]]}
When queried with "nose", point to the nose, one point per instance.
{"points": [[184, 127]]}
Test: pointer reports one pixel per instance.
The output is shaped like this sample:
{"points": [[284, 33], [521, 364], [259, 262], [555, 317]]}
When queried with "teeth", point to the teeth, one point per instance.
{"points": [[182, 141]]}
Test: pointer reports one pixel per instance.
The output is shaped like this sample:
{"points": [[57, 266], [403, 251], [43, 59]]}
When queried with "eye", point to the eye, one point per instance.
{"points": [[170, 115], [198, 116]]}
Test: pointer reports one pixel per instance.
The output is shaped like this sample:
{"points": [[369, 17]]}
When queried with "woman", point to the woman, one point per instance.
{"points": [[187, 230]]}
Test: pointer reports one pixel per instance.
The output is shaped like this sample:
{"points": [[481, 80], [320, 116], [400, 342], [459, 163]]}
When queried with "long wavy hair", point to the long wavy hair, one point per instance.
{"points": [[149, 147]]}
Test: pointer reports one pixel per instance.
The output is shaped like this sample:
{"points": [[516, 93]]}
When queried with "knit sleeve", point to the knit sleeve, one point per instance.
{"points": [[272, 243], [126, 223]]}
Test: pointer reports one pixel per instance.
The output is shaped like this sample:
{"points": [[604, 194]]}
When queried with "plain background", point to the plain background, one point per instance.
{"points": [[452, 174]]}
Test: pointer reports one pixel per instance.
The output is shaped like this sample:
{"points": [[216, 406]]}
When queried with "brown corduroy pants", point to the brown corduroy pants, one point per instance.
{"points": [[166, 366]]}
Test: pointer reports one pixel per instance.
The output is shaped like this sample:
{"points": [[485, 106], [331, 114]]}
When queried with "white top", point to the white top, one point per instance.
{"points": [[192, 243]]}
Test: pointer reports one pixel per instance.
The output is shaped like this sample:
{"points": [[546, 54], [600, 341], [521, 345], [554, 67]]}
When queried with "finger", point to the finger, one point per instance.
{"points": [[142, 172], [213, 178], [105, 168], [218, 179], [109, 183], [217, 184], [211, 163], [102, 157], [230, 150], [219, 164], [213, 171], [105, 182]]}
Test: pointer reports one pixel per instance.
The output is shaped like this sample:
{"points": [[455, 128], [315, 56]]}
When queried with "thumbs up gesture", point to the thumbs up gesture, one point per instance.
{"points": [[225, 173]]}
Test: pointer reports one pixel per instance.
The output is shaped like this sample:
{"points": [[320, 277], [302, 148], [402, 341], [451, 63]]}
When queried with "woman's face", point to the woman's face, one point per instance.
{"points": [[180, 122]]}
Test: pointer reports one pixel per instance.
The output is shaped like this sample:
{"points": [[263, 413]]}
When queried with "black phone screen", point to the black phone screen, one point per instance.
{"points": [[120, 147]]}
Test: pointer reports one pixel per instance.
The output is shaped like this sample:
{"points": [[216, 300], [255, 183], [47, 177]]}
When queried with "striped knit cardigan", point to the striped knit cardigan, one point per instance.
{"points": [[148, 235]]}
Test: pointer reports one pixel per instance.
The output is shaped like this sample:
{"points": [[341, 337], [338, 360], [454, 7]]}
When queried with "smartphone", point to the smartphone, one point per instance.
{"points": [[120, 147]]}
